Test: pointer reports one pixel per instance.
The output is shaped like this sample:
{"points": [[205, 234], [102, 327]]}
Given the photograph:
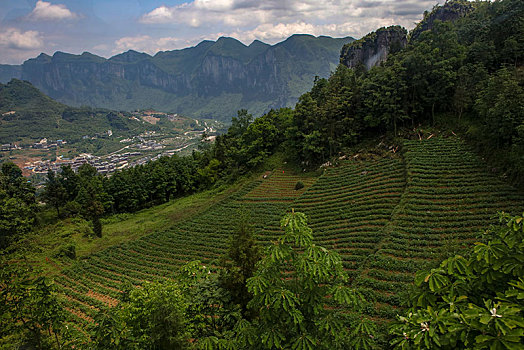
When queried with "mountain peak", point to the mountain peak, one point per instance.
{"points": [[257, 42], [43, 56], [130, 56], [226, 39]]}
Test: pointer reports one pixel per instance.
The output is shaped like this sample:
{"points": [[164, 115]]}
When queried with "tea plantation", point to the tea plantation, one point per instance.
{"points": [[386, 217]]}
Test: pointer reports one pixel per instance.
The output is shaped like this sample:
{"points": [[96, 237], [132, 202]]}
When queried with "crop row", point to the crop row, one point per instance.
{"points": [[96, 282], [448, 199]]}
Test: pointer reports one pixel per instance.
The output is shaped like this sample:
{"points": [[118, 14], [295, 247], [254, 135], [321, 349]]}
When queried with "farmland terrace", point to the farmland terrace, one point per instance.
{"points": [[387, 218]]}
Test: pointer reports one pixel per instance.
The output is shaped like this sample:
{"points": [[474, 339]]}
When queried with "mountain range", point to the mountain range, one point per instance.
{"points": [[212, 79]]}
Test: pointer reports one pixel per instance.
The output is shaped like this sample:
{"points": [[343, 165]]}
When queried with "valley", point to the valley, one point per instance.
{"points": [[39, 141], [316, 193]]}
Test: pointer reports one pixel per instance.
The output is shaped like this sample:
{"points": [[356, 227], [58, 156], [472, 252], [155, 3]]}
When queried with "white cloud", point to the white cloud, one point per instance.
{"points": [[161, 14], [12, 38], [49, 12], [276, 19], [145, 43], [214, 5]]}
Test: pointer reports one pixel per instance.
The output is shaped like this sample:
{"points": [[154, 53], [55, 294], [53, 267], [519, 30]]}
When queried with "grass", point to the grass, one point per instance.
{"points": [[176, 236], [43, 246], [122, 228]]}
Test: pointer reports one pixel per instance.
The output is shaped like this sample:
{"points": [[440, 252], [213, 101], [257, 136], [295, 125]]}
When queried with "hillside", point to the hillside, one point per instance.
{"points": [[210, 80], [413, 161], [27, 115], [387, 217]]}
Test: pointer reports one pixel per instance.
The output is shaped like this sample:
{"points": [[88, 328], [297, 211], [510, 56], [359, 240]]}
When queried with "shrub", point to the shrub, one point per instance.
{"points": [[68, 251]]}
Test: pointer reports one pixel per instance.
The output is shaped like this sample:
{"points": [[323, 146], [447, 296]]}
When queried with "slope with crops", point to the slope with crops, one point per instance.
{"points": [[97, 282], [448, 200], [387, 217]]}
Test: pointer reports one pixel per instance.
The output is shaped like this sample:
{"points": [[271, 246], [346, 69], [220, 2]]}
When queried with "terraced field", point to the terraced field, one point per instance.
{"points": [[349, 206], [448, 200], [96, 282], [387, 218]]}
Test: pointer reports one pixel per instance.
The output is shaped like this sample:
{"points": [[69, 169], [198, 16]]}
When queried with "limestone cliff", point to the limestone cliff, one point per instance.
{"points": [[373, 48], [212, 79], [449, 11]]}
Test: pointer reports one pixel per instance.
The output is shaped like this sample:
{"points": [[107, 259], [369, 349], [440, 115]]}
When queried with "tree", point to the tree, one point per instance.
{"points": [[55, 193], [474, 301], [384, 91], [110, 332], [501, 106], [90, 196], [17, 204], [240, 123], [154, 317], [239, 262], [298, 290], [29, 307], [211, 313], [69, 181]]}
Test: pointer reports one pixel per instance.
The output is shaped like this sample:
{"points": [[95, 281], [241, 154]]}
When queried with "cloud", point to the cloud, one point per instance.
{"points": [[161, 14], [12, 38], [145, 43], [277, 19], [49, 12]]}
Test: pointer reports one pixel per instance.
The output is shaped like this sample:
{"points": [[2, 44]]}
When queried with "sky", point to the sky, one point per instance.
{"points": [[109, 27]]}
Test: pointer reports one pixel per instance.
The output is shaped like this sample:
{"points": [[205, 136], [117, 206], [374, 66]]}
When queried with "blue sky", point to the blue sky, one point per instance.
{"points": [[108, 27]]}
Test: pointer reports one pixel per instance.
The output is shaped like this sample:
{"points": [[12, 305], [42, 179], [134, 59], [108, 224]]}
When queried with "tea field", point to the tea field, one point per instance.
{"points": [[387, 218]]}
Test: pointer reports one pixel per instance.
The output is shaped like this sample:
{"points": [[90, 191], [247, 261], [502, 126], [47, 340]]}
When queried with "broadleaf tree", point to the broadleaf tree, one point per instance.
{"points": [[475, 301]]}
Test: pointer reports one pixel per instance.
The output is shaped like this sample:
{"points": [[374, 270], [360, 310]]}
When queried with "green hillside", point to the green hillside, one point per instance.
{"points": [[412, 163], [387, 218], [27, 115]]}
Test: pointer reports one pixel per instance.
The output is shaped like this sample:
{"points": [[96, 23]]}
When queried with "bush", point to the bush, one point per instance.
{"points": [[299, 185], [471, 301], [68, 251]]}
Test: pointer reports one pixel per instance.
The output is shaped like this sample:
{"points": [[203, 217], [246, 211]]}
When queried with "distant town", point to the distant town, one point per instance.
{"points": [[136, 150]]}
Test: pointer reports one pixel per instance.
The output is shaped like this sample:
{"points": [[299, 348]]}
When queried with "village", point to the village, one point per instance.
{"points": [[135, 150], [128, 156]]}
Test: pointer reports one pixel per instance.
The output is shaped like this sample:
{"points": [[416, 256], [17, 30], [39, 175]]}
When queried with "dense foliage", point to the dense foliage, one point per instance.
{"points": [[473, 301], [91, 195], [17, 204], [466, 75], [31, 314], [298, 290], [152, 317]]}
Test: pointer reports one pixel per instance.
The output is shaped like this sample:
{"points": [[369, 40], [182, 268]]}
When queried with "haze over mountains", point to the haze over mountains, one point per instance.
{"points": [[213, 79]]}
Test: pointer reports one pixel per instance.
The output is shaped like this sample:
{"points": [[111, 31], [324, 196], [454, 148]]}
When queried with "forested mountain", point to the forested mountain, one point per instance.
{"points": [[213, 79], [26, 115]]}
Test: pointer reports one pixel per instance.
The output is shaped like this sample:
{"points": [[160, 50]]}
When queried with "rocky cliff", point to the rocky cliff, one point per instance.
{"points": [[374, 48], [212, 79], [8, 72], [449, 11]]}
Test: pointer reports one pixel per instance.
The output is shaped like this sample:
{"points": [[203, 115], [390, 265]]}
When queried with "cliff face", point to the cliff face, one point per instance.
{"points": [[225, 72], [449, 11], [8, 72], [374, 48]]}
